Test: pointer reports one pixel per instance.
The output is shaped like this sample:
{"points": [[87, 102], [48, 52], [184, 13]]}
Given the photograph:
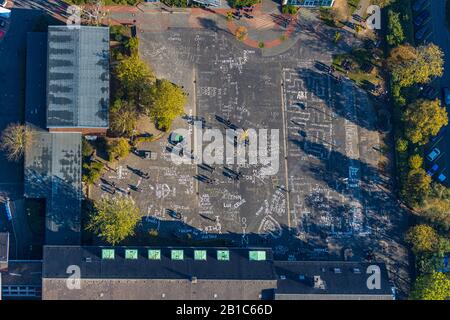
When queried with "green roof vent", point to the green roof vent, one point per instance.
{"points": [[177, 254], [154, 254], [258, 255], [108, 254], [223, 255], [131, 254], [200, 255]]}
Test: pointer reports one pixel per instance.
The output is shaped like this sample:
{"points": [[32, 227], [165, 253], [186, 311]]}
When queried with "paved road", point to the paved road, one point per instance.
{"points": [[441, 37]]}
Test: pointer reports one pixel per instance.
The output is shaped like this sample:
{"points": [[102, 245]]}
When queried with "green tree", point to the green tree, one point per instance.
{"points": [[114, 219], [395, 30], [86, 148], [434, 286], [132, 45], [168, 101], [401, 145], [436, 206], [242, 3], [416, 187], [415, 161], [92, 171], [14, 140], [423, 238], [410, 65], [135, 78], [123, 118], [423, 119], [118, 148]]}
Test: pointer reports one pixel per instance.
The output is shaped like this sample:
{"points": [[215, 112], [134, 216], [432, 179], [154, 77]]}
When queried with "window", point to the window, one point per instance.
{"points": [[177, 254], [108, 254], [154, 254], [223, 255], [200, 255], [259, 255], [131, 254]]}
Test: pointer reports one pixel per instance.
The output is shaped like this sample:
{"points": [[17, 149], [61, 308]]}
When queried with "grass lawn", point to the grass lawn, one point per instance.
{"points": [[358, 58]]}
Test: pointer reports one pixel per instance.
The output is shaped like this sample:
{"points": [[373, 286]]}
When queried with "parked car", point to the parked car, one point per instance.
{"points": [[175, 138], [433, 170], [442, 177], [446, 93], [433, 154], [421, 18], [420, 4], [423, 32]]}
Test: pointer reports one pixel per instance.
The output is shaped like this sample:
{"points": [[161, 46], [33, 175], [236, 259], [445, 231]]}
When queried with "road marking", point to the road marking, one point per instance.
{"points": [[283, 109]]}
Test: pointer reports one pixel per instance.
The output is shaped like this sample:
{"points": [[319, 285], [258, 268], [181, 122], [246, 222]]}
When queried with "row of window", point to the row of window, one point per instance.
{"points": [[178, 254]]}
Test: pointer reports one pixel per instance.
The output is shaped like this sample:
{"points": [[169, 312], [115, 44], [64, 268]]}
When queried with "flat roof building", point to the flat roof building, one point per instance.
{"points": [[158, 273], [53, 171], [67, 92], [78, 78], [187, 273], [330, 280]]}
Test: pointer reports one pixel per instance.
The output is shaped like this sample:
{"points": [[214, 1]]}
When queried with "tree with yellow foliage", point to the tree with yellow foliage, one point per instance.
{"points": [[423, 119], [410, 65]]}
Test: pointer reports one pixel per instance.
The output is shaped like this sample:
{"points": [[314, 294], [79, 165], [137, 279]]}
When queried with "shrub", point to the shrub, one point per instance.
{"points": [[415, 161], [86, 148], [288, 9], [401, 145], [117, 148], [92, 172]]}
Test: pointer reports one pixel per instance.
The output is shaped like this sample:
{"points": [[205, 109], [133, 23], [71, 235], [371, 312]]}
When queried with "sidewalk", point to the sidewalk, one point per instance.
{"points": [[267, 29]]}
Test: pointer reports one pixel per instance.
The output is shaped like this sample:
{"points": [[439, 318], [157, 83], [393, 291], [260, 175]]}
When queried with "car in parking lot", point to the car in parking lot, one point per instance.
{"points": [[175, 138], [419, 5], [421, 18], [433, 170], [433, 154], [442, 177], [446, 94]]}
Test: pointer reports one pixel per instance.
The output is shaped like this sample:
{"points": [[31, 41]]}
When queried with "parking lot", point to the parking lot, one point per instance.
{"points": [[327, 196], [434, 29]]}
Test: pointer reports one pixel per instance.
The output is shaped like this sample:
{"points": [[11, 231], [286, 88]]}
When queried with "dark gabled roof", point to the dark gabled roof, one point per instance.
{"points": [[341, 278], [239, 267], [53, 171], [78, 77], [35, 101]]}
